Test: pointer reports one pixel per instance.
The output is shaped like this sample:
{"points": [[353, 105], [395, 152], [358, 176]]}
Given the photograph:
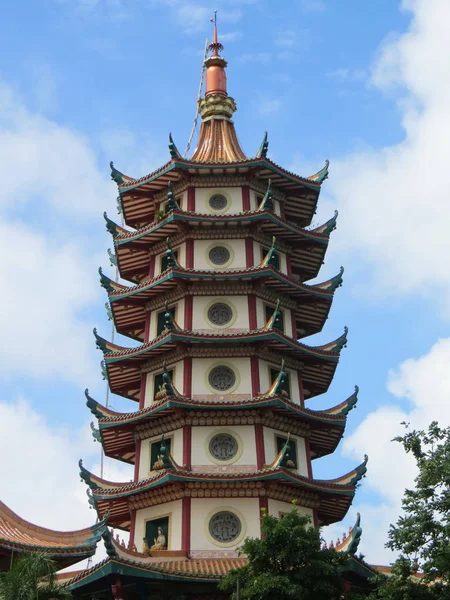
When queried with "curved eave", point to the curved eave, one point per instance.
{"points": [[346, 406], [313, 302], [307, 253], [183, 570], [333, 499], [66, 547], [124, 365], [117, 430], [301, 193]]}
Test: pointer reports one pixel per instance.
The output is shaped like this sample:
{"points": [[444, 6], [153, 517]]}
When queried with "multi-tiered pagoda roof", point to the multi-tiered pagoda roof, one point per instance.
{"points": [[216, 254]]}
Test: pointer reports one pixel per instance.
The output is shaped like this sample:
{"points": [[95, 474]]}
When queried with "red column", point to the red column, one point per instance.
{"points": [[245, 198], [249, 254], [186, 525], [254, 374], [288, 265], [294, 324], [133, 521], [187, 377], [252, 324], [188, 306], [300, 390], [308, 458], [259, 443], [189, 254], [187, 445], [191, 199], [151, 268]]}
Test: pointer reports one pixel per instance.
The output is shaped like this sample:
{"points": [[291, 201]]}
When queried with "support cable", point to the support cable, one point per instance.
{"points": [[199, 95]]}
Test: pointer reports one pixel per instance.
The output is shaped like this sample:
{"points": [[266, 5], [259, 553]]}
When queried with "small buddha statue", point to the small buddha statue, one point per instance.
{"points": [[160, 541], [146, 549], [159, 464]]}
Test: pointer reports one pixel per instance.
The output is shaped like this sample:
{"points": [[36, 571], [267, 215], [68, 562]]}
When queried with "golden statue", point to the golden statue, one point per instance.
{"points": [[160, 541]]}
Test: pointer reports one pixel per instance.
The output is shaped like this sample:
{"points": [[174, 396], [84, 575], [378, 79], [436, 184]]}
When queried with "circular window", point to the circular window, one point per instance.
{"points": [[223, 446], [218, 202], [222, 378], [219, 255], [220, 314], [225, 527]]}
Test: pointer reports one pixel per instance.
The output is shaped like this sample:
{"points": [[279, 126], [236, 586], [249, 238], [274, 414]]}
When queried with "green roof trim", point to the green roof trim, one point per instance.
{"points": [[263, 149], [174, 152], [116, 175], [105, 281], [350, 403], [360, 471], [100, 342], [312, 234], [92, 405], [186, 165]]}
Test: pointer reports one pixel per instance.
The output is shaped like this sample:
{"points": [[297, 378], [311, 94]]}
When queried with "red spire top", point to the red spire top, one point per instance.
{"points": [[216, 46], [216, 79]]}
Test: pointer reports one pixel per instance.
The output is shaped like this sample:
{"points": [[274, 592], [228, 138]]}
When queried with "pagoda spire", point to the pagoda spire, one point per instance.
{"points": [[216, 78], [217, 141]]}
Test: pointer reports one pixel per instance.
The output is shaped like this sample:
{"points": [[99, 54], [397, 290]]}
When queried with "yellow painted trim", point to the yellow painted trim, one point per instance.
{"points": [[223, 364], [236, 437], [223, 245], [238, 514], [221, 301]]}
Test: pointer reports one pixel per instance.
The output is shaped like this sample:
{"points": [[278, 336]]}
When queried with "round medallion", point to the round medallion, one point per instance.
{"points": [[223, 446], [220, 314], [222, 378], [219, 255], [225, 527], [218, 202]]}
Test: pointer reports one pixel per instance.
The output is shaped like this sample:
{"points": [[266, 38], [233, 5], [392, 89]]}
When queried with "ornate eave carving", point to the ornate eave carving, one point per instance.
{"points": [[204, 181], [218, 489], [225, 418], [220, 289], [214, 352]]}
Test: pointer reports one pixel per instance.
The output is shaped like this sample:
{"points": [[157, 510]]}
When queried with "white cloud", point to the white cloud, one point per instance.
{"points": [[345, 74], [51, 181], [286, 38], [313, 5], [267, 107], [41, 473], [393, 201], [425, 383]]}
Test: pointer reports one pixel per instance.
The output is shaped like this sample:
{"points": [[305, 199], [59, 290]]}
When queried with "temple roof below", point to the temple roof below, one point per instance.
{"points": [[65, 547]]}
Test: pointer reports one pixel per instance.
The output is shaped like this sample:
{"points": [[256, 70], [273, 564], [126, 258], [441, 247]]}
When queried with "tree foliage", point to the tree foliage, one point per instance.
{"points": [[287, 563], [422, 533], [32, 577]]}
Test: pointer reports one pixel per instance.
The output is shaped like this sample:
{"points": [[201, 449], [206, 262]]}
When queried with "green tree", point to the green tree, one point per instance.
{"points": [[422, 533], [287, 563], [32, 577]]}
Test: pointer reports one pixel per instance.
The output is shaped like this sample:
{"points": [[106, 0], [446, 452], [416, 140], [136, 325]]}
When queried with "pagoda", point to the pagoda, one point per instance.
{"points": [[217, 250]]}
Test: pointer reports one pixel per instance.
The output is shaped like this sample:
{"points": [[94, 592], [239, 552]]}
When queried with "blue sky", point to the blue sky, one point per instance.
{"points": [[83, 82]]}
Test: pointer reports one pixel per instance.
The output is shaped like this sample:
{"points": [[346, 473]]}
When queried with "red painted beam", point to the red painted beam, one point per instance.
{"points": [[245, 198], [187, 377], [187, 446], [186, 525], [189, 254], [191, 199], [259, 442], [249, 254]]}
